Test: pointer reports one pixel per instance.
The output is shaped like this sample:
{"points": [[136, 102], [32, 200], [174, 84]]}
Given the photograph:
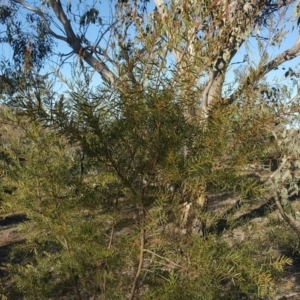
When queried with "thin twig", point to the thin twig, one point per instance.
{"points": [[171, 262], [111, 236]]}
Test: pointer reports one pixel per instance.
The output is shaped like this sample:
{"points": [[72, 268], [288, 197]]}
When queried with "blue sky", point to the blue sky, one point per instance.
{"points": [[106, 13]]}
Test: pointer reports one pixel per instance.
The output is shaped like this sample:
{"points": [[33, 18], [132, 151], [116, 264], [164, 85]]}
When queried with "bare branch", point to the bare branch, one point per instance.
{"points": [[140, 266], [72, 39], [75, 43]]}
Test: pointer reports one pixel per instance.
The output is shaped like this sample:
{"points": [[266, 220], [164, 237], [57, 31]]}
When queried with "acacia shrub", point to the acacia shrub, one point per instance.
{"points": [[107, 223]]}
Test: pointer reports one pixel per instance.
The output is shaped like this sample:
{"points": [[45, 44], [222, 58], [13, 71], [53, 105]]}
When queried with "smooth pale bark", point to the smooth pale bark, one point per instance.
{"points": [[72, 39], [212, 92]]}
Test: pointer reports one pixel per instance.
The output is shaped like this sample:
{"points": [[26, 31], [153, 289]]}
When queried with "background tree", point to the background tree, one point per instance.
{"points": [[195, 40]]}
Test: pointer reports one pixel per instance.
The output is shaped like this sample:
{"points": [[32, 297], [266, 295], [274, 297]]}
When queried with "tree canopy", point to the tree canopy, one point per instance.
{"points": [[192, 43]]}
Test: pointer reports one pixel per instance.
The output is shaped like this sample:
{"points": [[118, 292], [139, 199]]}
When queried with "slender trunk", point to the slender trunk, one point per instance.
{"points": [[141, 261]]}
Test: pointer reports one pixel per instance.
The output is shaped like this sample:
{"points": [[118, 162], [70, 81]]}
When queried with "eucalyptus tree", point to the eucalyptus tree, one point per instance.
{"points": [[193, 43]]}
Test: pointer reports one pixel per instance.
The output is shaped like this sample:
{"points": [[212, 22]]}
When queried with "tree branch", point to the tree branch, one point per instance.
{"points": [[270, 66], [71, 38], [41, 14], [75, 43], [140, 266]]}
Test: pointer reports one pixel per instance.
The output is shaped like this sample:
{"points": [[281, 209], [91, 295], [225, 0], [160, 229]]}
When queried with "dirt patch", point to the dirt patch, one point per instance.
{"points": [[9, 233], [9, 236]]}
